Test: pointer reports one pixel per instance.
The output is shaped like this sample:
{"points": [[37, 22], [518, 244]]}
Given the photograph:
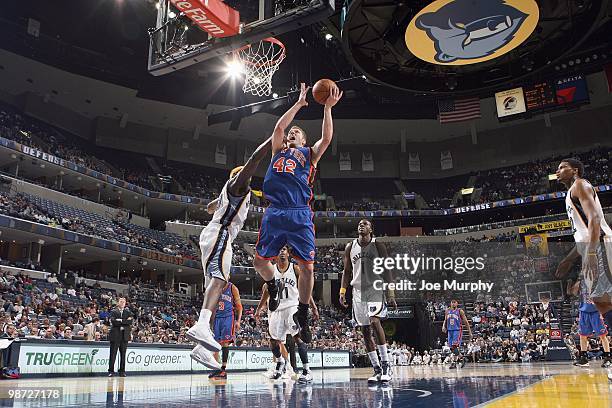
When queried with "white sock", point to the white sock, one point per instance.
{"points": [[374, 358], [204, 317], [305, 366], [382, 349]]}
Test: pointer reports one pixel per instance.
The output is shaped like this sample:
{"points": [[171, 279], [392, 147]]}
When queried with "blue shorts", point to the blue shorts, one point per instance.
{"points": [[224, 329], [287, 226], [454, 338], [591, 323]]}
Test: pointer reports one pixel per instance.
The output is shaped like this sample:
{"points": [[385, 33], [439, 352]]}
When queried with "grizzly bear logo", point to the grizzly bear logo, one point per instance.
{"points": [[471, 29]]}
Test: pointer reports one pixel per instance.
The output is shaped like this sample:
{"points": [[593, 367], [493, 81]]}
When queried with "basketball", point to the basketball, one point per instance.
{"points": [[322, 89]]}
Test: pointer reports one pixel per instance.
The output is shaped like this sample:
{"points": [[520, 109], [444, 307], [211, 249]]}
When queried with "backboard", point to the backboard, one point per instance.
{"points": [[188, 32]]}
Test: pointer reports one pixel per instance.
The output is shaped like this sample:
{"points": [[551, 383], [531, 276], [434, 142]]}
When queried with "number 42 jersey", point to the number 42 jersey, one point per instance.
{"points": [[288, 181]]}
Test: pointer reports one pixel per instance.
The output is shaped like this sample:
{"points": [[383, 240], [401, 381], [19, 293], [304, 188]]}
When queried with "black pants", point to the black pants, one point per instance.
{"points": [[120, 346]]}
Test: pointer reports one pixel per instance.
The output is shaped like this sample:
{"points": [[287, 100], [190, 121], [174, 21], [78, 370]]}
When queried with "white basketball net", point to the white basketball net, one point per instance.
{"points": [[260, 61]]}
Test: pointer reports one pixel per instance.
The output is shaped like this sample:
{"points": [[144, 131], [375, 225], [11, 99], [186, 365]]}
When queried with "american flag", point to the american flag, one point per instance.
{"points": [[459, 110]]}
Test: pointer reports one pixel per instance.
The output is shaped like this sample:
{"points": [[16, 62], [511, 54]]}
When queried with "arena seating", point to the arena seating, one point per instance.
{"points": [[361, 194], [35, 133], [48, 212], [438, 194], [503, 331], [329, 259], [38, 209], [167, 242], [38, 308], [497, 184], [205, 183], [524, 179]]}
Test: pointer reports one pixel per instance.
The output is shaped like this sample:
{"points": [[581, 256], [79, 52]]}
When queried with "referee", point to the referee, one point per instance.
{"points": [[121, 331]]}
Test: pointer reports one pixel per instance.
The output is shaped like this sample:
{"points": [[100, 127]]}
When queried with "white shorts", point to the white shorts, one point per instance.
{"points": [[216, 247], [362, 311], [281, 323], [602, 286]]}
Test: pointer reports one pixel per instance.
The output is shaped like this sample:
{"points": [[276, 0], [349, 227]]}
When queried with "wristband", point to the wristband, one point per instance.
{"points": [[342, 291], [592, 253]]}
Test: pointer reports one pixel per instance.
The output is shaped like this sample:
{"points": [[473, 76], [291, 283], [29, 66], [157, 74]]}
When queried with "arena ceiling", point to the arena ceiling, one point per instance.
{"points": [[107, 40], [375, 39]]}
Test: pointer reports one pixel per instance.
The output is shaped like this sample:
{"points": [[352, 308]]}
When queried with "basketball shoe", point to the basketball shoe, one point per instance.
{"points": [[202, 334], [218, 375], [305, 377], [385, 375], [376, 377], [274, 300], [205, 357], [583, 361], [301, 321], [279, 371], [270, 373]]}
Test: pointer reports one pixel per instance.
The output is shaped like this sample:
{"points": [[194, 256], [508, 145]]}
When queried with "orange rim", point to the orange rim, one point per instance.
{"points": [[275, 61]]}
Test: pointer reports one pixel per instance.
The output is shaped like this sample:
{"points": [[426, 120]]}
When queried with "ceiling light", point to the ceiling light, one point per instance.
{"points": [[234, 68]]}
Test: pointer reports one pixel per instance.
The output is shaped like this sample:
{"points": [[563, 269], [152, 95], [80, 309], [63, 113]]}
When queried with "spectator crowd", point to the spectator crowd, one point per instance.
{"points": [[496, 184]]}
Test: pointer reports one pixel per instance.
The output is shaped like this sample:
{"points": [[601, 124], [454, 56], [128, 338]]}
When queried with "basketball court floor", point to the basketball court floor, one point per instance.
{"points": [[491, 385]]}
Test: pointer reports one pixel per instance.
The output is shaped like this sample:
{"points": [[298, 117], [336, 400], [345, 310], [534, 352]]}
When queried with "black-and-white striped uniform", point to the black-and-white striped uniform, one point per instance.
{"points": [[217, 237]]}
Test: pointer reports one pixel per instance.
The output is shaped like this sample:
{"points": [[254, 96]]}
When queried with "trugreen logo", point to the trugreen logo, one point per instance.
{"points": [[61, 359]]}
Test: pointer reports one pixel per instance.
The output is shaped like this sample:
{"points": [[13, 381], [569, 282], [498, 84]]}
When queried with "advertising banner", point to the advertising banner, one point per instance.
{"points": [[336, 359], [259, 359], [314, 360], [75, 358], [43, 359], [404, 312], [236, 361], [546, 226]]}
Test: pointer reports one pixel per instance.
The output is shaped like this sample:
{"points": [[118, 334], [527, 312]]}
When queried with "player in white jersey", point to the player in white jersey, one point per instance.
{"points": [[280, 321], [229, 212], [369, 306], [592, 234]]}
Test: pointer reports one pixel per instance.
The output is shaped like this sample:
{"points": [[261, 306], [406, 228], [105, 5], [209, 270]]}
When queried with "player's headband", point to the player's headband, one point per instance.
{"points": [[235, 171]]}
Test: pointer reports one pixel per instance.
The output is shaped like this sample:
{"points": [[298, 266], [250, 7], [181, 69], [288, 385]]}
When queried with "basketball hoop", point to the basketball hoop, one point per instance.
{"points": [[260, 61]]}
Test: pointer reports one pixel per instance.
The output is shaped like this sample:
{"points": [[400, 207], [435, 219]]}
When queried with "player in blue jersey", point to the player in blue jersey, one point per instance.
{"points": [[288, 220], [226, 324], [452, 325], [590, 323]]}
